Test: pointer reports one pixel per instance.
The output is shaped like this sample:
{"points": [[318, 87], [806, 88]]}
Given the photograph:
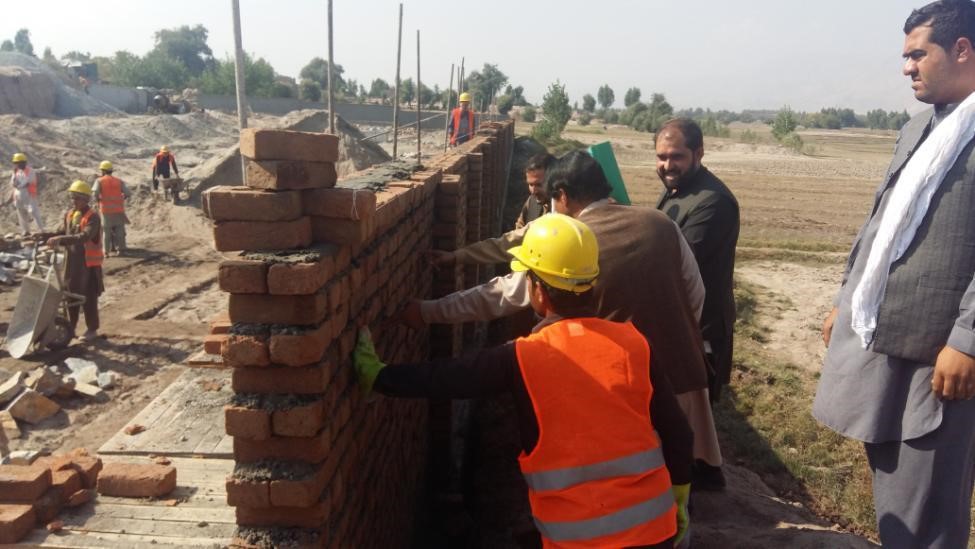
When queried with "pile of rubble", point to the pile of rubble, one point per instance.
{"points": [[28, 397]]}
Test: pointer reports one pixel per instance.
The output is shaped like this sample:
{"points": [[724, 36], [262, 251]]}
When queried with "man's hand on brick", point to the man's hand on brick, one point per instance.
{"points": [[366, 361], [439, 258], [411, 316]]}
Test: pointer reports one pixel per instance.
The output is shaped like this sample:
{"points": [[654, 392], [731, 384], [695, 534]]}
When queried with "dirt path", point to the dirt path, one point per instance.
{"points": [[801, 296]]}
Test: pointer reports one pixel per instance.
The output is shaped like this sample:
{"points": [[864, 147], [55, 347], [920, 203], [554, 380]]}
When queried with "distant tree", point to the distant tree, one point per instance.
{"points": [[485, 85], [659, 112], [426, 96], [407, 91], [606, 96], [75, 56], [188, 45], [448, 98], [22, 42], [7, 45], [584, 119], [517, 94], [896, 121], [505, 103], [589, 103], [556, 111], [528, 114], [362, 92], [309, 90], [49, 57], [632, 96], [155, 70], [379, 89], [221, 80], [317, 71], [785, 123], [280, 89], [877, 119], [711, 127]]}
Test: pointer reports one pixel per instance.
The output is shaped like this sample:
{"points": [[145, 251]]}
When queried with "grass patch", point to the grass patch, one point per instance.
{"points": [[765, 422]]}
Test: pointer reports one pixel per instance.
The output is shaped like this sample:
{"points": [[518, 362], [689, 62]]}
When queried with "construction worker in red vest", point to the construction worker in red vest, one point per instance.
{"points": [[607, 451], [110, 194], [160, 166], [80, 235], [24, 194], [463, 122]]}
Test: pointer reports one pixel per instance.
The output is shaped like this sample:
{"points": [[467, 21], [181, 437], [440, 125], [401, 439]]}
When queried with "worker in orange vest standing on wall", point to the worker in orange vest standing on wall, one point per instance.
{"points": [[80, 234], [110, 192], [463, 122], [24, 194], [606, 448]]}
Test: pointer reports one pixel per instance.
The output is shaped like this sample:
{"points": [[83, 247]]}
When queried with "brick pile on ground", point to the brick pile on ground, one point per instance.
{"points": [[317, 464], [33, 495]]}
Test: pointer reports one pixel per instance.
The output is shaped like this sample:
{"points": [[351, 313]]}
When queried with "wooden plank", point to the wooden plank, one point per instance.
{"points": [[169, 529], [165, 513], [225, 447], [69, 539]]}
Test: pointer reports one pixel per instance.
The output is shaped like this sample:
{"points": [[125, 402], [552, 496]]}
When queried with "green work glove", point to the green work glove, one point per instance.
{"points": [[682, 493], [366, 361]]}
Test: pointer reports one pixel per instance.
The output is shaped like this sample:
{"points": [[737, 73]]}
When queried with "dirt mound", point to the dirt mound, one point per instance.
{"points": [[354, 153], [30, 84]]}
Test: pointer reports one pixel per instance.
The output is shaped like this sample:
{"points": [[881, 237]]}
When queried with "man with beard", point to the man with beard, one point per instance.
{"points": [[899, 372], [707, 213]]}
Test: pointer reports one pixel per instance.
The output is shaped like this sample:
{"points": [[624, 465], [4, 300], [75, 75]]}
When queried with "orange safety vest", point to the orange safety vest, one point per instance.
{"points": [[32, 186], [163, 159], [110, 197], [470, 125], [596, 477], [94, 256]]}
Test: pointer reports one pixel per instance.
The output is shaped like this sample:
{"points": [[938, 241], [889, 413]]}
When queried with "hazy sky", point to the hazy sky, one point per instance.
{"points": [[707, 53]]}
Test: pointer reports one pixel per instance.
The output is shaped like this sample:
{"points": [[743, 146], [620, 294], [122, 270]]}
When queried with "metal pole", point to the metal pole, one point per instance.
{"points": [[449, 106], [419, 96], [239, 76], [331, 71], [399, 48], [460, 78]]}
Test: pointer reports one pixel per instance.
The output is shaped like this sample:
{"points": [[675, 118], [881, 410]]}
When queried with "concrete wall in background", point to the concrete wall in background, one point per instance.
{"points": [[130, 100]]}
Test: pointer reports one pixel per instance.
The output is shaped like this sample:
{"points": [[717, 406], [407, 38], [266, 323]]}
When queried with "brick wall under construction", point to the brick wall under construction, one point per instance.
{"points": [[317, 463]]}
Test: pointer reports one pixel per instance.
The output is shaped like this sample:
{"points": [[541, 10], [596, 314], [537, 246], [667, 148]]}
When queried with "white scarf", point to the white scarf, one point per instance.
{"points": [[906, 208]]}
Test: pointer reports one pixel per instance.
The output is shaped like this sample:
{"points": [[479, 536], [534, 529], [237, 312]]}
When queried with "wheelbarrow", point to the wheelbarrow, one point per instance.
{"points": [[172, 187], [40, 317]]}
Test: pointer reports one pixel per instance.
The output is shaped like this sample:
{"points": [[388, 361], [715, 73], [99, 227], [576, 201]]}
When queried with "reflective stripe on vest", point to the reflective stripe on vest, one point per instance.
{"points": [[558, 479], [110, 198], [596, 476], [607, 525], [470, 125], [94, 256]]}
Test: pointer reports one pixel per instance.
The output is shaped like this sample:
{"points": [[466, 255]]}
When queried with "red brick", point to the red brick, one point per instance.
{"points": [[225, 203], [16, 521], [300, 349], [245, 350], [300, 493], [338, 293], [339, 203], [137, 480], [212, 343], [263, 144], [308, 449], [81, 497], [242, 276], [77, 460], [299, 421], [297, 517], [23, 483], [286, 175], [252, 423], [283, 309], [220, 326], [342, 231], [68, 482], [308, 380], [244, 493], [230, 236], [299, 278]]}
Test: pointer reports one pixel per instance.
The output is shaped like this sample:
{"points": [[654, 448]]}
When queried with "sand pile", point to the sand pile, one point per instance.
{"points": [[30, 87]]}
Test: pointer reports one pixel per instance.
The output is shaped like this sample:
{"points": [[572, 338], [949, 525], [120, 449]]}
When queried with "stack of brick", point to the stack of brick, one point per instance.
{"points": [[34, 494], [316, 464]]}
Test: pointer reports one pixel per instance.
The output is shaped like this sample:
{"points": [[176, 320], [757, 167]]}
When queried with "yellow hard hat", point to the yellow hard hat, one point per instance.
{"points": [[105, 166], [465, 97], [19, 157], [560, 250], [80, 187], [164, 149]]}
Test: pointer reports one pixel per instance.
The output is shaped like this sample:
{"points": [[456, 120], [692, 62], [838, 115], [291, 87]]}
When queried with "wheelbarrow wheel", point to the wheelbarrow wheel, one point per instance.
{"points": [[58, 335]]}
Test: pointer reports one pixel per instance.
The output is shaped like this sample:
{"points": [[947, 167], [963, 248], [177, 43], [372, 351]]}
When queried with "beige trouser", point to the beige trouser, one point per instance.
{"points": [[113, 234], [697, 408]]}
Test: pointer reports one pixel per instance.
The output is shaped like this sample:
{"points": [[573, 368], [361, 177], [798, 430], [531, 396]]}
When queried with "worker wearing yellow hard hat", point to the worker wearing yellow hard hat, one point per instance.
{"points": [[110, 194], [23, 194], [80, 235], [571, 358], [463, 121]]}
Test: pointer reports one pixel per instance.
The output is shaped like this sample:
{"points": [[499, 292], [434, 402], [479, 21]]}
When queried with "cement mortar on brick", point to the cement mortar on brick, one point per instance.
{"points": [[273, 402], [268, 470], [292, 538]]}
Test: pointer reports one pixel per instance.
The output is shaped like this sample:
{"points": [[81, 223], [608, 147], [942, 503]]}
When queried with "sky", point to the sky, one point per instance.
{"points": [[718, 54]]}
